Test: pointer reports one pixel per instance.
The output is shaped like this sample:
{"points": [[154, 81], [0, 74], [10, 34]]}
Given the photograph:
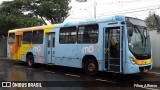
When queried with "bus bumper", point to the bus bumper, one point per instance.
{"points": [[130, 68]]}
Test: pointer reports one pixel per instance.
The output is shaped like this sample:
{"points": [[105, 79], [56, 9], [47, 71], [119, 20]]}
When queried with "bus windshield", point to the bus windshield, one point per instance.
{"points": [[139, 41]]}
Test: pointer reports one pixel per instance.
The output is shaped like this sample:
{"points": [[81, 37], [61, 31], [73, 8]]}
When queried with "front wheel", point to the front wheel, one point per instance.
{"points": [[91, 67], [30, 60]]}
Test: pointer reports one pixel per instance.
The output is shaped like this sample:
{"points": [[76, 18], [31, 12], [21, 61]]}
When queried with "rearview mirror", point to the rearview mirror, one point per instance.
{"points": [[130, 32]]}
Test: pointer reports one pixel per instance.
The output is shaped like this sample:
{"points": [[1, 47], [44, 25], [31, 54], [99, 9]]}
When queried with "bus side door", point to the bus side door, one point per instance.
{"points": [[50, 47]]}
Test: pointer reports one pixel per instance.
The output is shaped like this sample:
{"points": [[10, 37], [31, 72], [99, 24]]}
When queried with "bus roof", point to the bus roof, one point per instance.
{"points": [[33, 28], [66, 24], [104, 19]]}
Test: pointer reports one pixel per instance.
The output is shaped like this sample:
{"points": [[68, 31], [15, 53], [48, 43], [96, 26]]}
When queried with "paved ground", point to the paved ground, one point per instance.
{"points": [[73, 79]]}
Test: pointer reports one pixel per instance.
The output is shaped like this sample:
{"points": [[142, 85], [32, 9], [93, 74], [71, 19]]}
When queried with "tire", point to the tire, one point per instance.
{"points": [[30, 60], [91, 66]]}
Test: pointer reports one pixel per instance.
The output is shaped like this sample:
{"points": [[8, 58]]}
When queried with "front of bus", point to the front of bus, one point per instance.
{"points": [[138, 52]]}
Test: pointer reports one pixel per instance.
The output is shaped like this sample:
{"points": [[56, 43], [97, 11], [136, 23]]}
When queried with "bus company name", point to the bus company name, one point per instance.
{"points": [[89, 49], [37, 49]]}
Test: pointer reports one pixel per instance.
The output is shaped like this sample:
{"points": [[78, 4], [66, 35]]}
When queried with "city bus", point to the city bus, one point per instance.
{"points": [[117, 44]]}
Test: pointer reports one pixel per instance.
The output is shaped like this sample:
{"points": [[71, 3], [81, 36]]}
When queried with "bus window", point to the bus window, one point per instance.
{"points": [[11, 38], [67, 35], [114, 42], [27, 37], [49, 40], [37, 37], [88, 34], [53, 40]]}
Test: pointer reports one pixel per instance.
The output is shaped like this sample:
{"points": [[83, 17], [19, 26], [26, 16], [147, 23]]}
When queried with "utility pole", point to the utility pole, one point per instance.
{"points": [[95, 9]]}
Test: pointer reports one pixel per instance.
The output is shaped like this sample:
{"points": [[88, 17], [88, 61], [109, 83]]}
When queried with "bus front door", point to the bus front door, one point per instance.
{"points": [[50, 47], [112, 49]]}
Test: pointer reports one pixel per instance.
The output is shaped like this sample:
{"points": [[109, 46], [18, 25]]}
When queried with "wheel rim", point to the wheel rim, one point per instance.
{"points": [[91, 67], [29, 61]]}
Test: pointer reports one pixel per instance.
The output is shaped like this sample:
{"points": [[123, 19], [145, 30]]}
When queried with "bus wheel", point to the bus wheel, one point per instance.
{"points": [[30, 60], [91, 67]]}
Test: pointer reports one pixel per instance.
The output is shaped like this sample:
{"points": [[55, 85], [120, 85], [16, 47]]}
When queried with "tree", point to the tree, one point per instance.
{"points": [[27, 13], [152, 19], [11, 17], [54, 11]]}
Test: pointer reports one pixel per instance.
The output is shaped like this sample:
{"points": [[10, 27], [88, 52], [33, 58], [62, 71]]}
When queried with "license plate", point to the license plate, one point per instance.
{"points": [[145, 70]]}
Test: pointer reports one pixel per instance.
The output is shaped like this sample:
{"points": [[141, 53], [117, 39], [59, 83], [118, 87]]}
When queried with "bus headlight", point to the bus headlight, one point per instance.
{"points": [[132, 60]]}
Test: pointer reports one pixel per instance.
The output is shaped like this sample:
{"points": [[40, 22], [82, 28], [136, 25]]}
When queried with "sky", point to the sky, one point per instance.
{"points": [[5, 0], [133, 8]]}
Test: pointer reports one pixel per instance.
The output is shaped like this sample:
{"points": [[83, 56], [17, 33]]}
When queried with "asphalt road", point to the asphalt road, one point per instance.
{"points": [[66, 78]]}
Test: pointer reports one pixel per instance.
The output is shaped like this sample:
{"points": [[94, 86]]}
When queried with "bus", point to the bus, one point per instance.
{"points": [[117, 44]]}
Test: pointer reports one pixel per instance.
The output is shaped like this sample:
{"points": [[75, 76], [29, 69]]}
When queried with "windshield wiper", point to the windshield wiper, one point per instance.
{"points": [[145, 35], [135, 27]]}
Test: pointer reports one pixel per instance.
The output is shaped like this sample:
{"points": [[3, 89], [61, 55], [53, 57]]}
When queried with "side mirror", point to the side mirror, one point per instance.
{"points": [[130, 32]]}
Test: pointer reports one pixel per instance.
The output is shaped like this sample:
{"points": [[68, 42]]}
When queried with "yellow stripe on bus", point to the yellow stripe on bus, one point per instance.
{"points": [[142, 62], [18, 52]]}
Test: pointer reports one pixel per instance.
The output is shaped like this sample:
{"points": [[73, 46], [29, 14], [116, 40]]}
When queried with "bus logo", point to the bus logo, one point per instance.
{"points": [[37, 49], [89, 49]]}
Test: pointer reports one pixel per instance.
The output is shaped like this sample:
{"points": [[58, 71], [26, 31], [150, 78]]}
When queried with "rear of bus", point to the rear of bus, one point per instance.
{"points": [[11, 44]]}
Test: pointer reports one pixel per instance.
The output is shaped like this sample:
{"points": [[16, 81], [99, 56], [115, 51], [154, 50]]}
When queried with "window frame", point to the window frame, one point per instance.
{"points": [[42, 38], [29, 37], [89, 38], [9, 38], [68, 35]]}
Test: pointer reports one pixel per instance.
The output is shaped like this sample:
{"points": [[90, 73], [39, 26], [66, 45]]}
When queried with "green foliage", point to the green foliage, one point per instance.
{"points": [[54, 11], [11, 17], [27, 13], [151, 22]]}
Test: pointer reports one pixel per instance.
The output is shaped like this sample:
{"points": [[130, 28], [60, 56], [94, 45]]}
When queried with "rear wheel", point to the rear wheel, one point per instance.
{"points": [[30, 60], [91, 67]]}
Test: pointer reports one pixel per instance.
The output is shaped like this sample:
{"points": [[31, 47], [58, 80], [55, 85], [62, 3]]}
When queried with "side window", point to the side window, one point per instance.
{"points": [[115, 36], [37, 37], [53, 40], [49, 40], [11, 38], [27, 37], [67, 35], [88, 34]]}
